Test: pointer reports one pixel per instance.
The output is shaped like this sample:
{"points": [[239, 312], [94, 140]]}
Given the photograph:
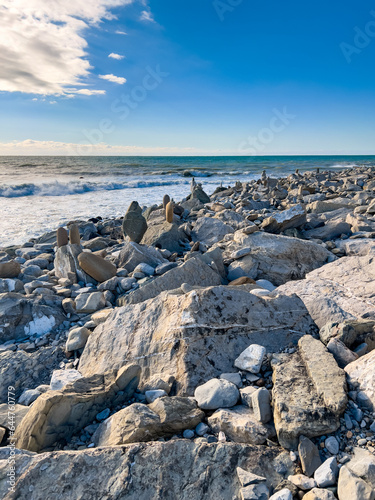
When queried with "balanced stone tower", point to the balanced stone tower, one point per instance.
{"points": [[134, 224]]}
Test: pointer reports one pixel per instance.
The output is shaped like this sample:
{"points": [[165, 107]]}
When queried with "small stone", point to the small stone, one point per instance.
{"points": [[134, 224], [255, 492], [235, 378], [246, 395], [246, 478], [188, 434], [154, 394], [349, 434], [216, 394], [319, 494], [283, 494], [103, 415], [362, 442], [146, 269], [251, 358], [201, 429], [326, 474], [74, 236], [302, 482], [77, 338], [261, 405], [348, 422], [28, 397], [332, 445], [62, 237]]}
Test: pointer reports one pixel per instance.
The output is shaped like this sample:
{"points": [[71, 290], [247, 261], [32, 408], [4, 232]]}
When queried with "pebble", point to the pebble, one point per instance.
{"points": [[188, 434], [103, 414], [332, 445]]}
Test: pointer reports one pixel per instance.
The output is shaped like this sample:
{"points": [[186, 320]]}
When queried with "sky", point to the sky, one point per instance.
{"points": [[187, 77]]}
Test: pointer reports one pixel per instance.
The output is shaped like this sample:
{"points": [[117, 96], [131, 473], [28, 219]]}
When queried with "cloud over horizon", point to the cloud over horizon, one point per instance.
{"points": [[42, 44]]}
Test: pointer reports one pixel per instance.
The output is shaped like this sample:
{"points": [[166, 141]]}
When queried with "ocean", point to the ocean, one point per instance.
{"points": [[39, 193]]}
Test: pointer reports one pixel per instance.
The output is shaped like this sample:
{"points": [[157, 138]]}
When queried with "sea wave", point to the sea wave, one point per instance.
{"points": [[71, 188]]}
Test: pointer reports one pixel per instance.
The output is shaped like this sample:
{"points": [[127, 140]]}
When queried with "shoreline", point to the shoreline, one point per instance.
{"points": [[218, 297]]}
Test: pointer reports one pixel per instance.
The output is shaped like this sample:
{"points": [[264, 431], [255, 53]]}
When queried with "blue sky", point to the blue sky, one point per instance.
{"points": [[188, 77]]}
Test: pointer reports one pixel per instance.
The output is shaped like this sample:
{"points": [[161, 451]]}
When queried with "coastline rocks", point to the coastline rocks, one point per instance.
{"points": [[194, 272], [309, 393], [133, 254], [10, 269], [339, 291], [96, 267], [168, 334], [240, 425], [216, 394], [59, 414], [134, 224], [129, 471], [274, 257], [361, 373]]}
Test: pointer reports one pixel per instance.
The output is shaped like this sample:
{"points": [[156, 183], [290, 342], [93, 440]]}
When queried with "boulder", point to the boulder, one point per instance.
{"points": [[193, 337], [319, 494], [95, 266], [67, 266], [208, 230], [361, 373], [190, 471], [61, 378], [274, 257], [134, 224], [240, 425], [293, 217], [10, 269], [57, 415], [331, 230], [339, 291], [167, 236], [133, 254], [309, 393], [177, 413], [216, 394], [362, 464], [194, 272]]}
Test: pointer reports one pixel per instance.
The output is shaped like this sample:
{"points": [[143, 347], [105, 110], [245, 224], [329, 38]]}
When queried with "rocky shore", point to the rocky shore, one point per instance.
{"points": [[221, 347]]}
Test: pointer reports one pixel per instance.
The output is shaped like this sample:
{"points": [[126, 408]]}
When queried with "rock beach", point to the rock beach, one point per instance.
{"points": [[226, 341]]}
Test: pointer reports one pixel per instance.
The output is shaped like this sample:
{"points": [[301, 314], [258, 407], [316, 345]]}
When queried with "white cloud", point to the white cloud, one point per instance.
{"points": [[147, 16], [120, 32], [114, 79], [42, 45], [116, 56]]}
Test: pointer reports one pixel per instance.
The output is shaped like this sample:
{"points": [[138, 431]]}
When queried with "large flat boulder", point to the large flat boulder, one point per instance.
{"points": [[176, 469], [194, 272], [274, 257], [195, 336], [57, 415], [133, 254], [309, 393], [339, 291]]}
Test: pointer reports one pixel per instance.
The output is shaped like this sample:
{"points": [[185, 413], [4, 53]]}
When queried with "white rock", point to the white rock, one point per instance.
{"points": [[326, 474], [283, 494], [362, 372], [61, 378], [152, 395], [216, 394], [251, 358], [302, 482]]}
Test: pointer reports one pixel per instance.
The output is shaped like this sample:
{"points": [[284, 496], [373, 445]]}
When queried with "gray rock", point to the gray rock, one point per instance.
{"points": [[240, 425], [362, 464], [216, 394], [246, 478], [255, 492], [319, 494], [201, 429], [134, 224], [309, 456], [283, 494], [246, 395], [133, 254], [362, 374], [28, 397], [168, 334], [326, 474], [302, 482], [89, 302], [234, 378], [153, 395], [167, 236], [77, 338], [332, 445], [209, 231], [188, 434], [18, 412], [251, 358], [341, 353], [261, 405]]}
